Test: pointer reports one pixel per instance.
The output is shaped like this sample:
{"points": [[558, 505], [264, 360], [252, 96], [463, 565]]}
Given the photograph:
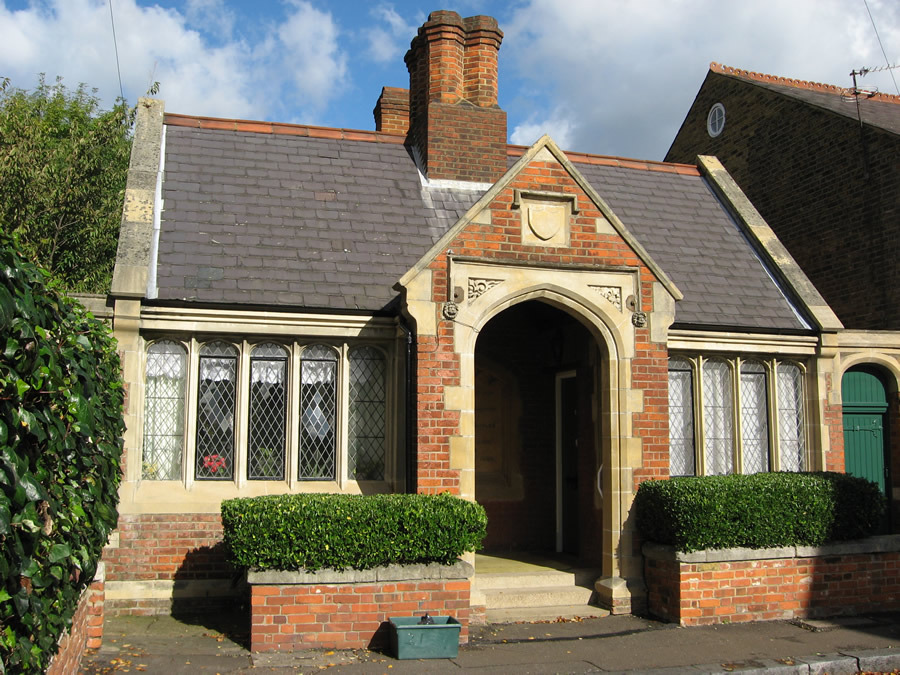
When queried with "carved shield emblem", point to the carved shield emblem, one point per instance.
{"points": [[545, 221]]}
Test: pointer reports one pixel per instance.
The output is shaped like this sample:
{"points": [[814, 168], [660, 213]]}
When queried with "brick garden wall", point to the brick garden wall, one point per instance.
{"points": [[184, 547], [349, 610], [86, 631], [735, 585]]}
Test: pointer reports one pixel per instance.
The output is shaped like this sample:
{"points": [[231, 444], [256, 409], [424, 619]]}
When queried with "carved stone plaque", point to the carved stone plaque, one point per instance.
{"points": [[545, 223]]}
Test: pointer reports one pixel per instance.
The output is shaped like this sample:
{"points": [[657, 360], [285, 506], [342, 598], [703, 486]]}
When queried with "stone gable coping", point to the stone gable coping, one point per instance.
{"points": [[798, 84], [778, 257], [458, 570]]}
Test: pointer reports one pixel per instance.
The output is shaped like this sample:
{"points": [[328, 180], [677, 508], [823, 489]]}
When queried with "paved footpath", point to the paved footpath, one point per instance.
{"points": [[609, 644]]}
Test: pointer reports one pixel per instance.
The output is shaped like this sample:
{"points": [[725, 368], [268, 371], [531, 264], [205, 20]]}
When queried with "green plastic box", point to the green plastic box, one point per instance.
{"points": [[413, 640]]}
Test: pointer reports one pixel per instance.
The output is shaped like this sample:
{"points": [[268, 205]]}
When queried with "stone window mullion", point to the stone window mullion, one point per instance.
{"points": [[190, 435]]}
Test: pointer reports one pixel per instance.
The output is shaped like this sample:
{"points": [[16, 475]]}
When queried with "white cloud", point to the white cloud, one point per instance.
{"points": [[389, 42], [631, 70], [295, 65], [559, 125], [214, 14]]}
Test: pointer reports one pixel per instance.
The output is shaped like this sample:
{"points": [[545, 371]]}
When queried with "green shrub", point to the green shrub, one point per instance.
{"points": [[757, 511], [315, 531], [60, 447]]}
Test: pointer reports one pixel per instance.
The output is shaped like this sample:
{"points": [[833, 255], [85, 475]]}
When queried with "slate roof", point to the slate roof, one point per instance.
{"points": [[881, 110], [332, 222]]}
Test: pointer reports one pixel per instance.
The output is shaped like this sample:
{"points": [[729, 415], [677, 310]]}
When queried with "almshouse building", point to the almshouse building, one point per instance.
{"points": [[427, 308]]}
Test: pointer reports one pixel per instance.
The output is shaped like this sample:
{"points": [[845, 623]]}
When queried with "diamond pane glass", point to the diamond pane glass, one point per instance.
{"points": [[367, 407], [681, 418], [754, 418], [318, 407], [164, 411], [268, 397], [718, 427], [790, 418], [215, 411]]}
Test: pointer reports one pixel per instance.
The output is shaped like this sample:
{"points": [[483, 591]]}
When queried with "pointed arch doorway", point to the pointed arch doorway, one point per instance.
{"points": [[537, 448]]}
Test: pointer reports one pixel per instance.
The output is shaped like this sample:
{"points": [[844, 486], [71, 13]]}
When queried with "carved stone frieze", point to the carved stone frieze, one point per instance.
{"points": [[611, 293], [478, 287]]}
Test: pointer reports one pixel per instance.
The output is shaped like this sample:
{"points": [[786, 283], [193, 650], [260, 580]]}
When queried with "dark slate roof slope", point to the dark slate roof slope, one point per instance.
{"points": [[688, 232], [880, 110], [332, 223], [257, 218]]}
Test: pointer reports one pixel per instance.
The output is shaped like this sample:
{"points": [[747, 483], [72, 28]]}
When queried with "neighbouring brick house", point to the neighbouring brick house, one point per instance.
{"points": [[427, 308], [821, 163]]}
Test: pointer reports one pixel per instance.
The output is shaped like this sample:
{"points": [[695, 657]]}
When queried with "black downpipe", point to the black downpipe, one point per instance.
{"points": [[411, 411]]}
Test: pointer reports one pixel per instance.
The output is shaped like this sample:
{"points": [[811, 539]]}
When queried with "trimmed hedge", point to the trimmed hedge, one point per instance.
{"points": [[757, 511], [60, 446], [315, 531]]}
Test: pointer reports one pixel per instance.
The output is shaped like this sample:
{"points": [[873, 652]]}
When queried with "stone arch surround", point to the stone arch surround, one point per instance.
{"points": [[617, 335]]}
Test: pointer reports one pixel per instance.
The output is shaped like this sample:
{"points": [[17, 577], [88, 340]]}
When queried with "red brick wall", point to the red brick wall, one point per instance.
{"points": [[347, 616], [834, 425], [86, 631], [165, 547], [781, 588], [830, 192]]}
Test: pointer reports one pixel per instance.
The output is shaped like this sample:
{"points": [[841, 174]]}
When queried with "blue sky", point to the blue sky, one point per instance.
{"points": [[612, 77]]}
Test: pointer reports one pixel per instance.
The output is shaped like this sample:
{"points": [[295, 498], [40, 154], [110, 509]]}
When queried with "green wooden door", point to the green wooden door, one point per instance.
{"points": [[865, 406], [864, 446]]}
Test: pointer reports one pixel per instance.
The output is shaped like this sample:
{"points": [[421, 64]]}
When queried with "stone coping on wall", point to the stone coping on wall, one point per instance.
{"points": [[878, 544], [458, 570]]}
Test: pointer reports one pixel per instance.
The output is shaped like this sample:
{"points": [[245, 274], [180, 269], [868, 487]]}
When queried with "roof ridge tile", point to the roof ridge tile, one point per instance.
{"points": [[285, 129], [797, 84]]}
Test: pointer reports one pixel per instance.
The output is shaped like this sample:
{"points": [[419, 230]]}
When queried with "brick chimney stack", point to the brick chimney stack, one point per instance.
{"points": [[392, 111], [454, 120]]}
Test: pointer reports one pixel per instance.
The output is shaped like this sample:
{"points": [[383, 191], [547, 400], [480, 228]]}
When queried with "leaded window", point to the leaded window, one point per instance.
{"points": [[754, 418], [318, 411], [790, 417], [681, 418], [750, 416], [367, 413], [268, 412], [164, 411], [718, 424], [216, 392], [265, 412]]}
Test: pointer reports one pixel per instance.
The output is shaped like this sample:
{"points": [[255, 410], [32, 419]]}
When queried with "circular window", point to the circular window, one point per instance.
{"points": [[715, 121]]}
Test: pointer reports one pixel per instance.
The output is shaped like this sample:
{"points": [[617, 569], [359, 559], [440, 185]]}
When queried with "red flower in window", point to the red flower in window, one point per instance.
{"points": [[213, 462]]}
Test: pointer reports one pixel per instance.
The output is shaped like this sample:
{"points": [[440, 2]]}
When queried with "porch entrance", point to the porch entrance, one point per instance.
{"points": [[536, 453]]}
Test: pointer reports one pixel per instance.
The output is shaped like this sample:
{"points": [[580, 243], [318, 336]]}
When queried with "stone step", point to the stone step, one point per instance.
{"points": [[538, 596], [537, 579], [517, 614]]}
